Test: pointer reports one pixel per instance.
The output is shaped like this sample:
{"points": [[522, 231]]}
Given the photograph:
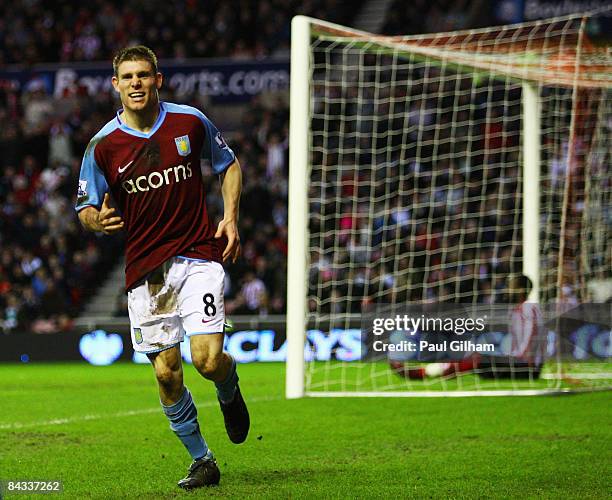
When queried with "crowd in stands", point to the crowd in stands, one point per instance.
{"points": [[432, 213], [43, 31], [49, 266], [437, 16], [257, 284]]}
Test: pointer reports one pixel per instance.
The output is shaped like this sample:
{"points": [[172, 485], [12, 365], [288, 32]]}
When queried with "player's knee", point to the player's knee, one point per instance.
{"points": [[170, 378], [209, 365]]}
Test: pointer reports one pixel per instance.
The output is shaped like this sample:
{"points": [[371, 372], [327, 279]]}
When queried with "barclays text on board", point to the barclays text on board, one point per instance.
{"points": [[245, 346]]}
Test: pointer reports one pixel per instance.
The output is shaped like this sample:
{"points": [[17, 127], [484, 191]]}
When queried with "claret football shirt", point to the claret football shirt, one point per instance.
{"points": [[156, 182]]}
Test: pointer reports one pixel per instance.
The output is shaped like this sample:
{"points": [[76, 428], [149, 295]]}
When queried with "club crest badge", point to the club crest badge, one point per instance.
{"points": [[138, 335], [182, 145]]}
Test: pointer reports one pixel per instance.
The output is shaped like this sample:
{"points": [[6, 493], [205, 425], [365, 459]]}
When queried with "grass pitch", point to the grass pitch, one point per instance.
{"points": [[101, 431]]}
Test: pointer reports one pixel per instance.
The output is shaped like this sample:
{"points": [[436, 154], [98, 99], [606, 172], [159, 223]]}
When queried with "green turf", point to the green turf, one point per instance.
{"points": [[100, 430]]}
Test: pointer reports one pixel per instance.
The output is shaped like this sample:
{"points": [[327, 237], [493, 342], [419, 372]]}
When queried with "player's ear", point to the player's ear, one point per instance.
{"points": [[159, 79], [115, 82]]}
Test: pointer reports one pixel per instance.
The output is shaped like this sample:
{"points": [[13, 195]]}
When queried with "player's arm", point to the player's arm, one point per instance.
{"points": [[224, 162], [104, 220], [231, 188], [93, 201]]}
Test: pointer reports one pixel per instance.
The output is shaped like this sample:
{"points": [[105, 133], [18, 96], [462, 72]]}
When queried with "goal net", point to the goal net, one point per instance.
{"points": [[435, 172]]}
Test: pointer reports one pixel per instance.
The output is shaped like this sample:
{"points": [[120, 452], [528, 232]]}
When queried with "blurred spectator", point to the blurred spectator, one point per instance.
{"points": [[35, 31], [433, 16], [276, 151], [252, 298]]}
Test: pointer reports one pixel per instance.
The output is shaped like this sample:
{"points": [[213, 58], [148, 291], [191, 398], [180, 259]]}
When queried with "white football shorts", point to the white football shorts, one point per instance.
{"points": [[182, 296]]}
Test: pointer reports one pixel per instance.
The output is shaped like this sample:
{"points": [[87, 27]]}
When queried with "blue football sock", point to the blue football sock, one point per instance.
{"points": [[227, 388], [183, 417]]}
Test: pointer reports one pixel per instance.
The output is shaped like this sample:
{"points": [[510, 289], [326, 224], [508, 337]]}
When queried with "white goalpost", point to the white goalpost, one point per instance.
{"points": [[297, 275], [435, 169]]}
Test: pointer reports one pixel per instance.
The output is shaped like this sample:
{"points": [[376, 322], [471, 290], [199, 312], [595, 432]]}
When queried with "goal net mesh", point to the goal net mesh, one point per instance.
{"points": [[416, 187]]}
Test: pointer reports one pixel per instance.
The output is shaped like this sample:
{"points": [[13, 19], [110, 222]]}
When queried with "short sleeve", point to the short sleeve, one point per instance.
{"points": [[215, 149], [92, 183]]}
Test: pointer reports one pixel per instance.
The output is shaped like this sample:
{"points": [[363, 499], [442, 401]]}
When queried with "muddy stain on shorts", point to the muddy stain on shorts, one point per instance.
{"points": [[164, 299]]}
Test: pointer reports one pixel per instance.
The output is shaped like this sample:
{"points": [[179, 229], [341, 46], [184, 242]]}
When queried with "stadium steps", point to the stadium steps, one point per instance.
{"points": [[372, 15], [104, 302]]}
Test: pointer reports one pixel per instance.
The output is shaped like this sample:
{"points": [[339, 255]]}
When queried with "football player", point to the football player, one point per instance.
{"points": [[141, 174]]}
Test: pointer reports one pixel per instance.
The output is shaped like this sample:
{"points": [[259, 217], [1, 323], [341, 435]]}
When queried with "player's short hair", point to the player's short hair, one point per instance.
{"points": [[135, 53]]}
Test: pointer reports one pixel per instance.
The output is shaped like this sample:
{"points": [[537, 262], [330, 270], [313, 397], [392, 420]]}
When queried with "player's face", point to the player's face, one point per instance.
{"points": [[137, 85]]}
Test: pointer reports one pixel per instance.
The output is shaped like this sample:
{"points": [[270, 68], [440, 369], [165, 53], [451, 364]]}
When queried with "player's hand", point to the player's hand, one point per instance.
{"points": [[108, 221], [230, 230]]}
